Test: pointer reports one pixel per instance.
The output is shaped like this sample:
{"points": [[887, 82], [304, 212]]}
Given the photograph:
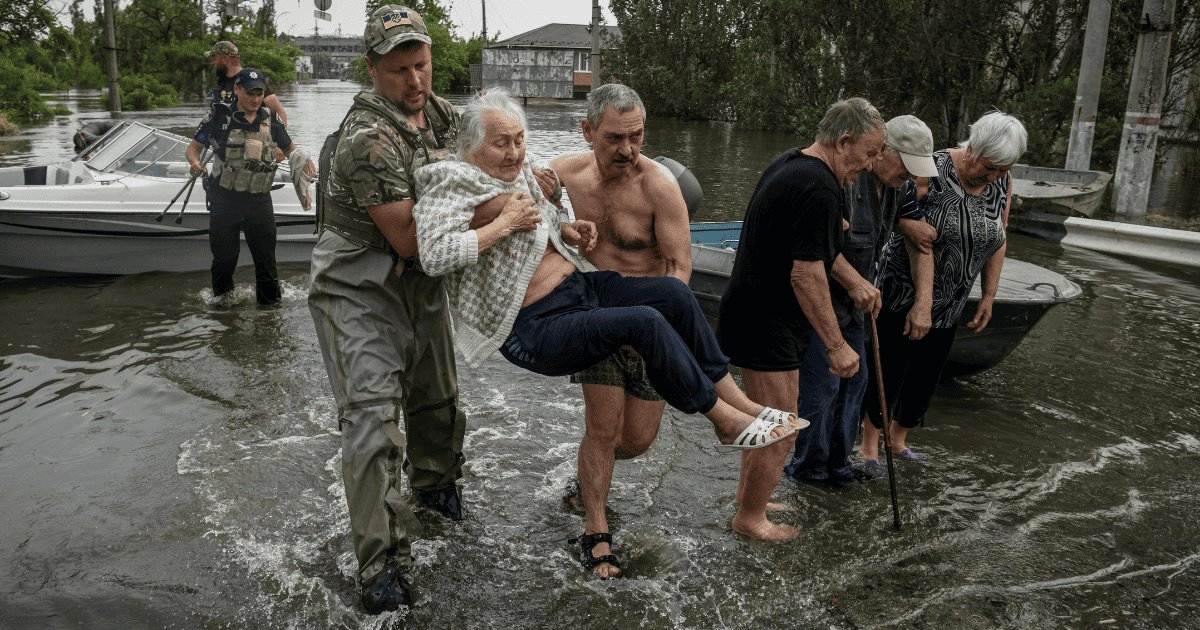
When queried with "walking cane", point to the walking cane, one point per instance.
{"points": [[887, 426]]}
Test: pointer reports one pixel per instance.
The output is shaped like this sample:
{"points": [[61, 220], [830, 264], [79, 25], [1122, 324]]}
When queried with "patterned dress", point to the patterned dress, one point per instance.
{"points": [[970, 230]]}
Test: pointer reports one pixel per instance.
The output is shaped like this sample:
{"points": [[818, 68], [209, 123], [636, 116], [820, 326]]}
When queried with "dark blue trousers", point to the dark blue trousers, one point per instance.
{"points": [[834, 406], [590, 315], [230, 214]]}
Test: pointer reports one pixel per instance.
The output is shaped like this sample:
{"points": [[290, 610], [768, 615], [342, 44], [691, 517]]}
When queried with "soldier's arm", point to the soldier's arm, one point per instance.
{"points": [[395, 220], [671, 228], [272, 103], [373, 164]]}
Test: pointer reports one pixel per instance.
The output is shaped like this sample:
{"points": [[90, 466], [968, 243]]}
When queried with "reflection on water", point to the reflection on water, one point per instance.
{"points": [[169, 463]]}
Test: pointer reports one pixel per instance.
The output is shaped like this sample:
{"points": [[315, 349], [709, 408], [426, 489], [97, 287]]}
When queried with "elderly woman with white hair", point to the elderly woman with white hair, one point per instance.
{"points": [[518, 285], [924, 293]]}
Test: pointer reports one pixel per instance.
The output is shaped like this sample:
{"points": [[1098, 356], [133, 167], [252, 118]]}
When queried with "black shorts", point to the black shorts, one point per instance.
{"points": [[756, 340]]}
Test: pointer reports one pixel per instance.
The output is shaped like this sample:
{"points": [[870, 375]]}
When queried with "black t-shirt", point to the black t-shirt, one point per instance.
{"points": [[223, 93], [795, 214]]}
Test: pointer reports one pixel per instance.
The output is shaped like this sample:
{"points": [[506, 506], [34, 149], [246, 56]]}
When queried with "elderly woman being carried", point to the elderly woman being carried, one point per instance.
{"points": [[518, 284]]}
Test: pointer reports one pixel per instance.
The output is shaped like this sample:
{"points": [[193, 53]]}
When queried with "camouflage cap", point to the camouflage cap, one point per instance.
{"points": [[391, 25], [222, 48]]}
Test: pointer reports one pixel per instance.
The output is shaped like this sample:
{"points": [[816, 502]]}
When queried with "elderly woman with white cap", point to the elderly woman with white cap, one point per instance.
{"points": [[924, 293]]}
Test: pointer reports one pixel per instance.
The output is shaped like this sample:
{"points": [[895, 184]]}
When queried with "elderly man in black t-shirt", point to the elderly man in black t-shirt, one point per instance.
{"points": [[778, 293]]}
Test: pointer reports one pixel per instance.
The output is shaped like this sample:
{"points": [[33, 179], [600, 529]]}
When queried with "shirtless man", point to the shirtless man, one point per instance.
{"points": [[526, 292], [642, 226]]}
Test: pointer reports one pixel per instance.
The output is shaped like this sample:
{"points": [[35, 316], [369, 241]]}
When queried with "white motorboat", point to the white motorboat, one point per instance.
{"points": [[100, 213]]}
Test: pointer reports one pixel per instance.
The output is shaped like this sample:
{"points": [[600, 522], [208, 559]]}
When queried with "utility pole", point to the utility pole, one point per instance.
{"points": [[483, 3], [1087, 93], [595, 57], [114, 80], [1143, 111]]}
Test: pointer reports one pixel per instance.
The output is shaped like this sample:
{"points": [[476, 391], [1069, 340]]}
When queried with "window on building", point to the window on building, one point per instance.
{"points": [[583, 61]]}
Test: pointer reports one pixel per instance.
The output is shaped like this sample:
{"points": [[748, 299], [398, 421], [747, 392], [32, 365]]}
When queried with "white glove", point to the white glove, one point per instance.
{"points": [[303, 172]]}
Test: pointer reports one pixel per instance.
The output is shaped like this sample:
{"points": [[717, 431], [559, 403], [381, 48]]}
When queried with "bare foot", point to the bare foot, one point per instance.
{"points": [[784, 418], [604, 569], [778, 431], [773, 506], [764, 529]]}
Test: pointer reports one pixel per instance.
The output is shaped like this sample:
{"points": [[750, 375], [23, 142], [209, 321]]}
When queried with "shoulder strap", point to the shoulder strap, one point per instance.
{"points": [[439, 119]]}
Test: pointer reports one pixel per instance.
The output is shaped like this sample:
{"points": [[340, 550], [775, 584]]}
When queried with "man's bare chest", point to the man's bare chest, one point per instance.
{"points": [[623, 218]]}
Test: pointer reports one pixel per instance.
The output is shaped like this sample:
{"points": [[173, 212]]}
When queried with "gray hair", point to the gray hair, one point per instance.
{"points": [[999, 137], [472, 130], [855, 116], [616, 95]]}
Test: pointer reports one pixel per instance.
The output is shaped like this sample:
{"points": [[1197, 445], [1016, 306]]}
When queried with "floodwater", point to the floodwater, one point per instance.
{"points": [[167, 463]]}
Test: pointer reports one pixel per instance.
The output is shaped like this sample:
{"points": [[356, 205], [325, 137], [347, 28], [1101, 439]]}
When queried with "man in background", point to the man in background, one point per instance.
{"points": [[227, 63]]}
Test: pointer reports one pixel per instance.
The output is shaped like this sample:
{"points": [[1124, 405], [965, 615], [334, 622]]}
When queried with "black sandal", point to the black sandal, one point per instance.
{"points": [[587, 542]]}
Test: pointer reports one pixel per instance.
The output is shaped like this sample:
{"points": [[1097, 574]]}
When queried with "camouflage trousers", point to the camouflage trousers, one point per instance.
{"points": [[386, 340]]}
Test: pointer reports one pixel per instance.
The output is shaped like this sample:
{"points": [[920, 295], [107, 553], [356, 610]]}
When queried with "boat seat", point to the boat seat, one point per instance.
{"points": [[57, 176], [12, 176]]}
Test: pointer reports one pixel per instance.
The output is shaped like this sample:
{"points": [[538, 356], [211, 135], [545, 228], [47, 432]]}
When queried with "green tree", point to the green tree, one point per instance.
{"points": [[23, 20], [779, 63]]}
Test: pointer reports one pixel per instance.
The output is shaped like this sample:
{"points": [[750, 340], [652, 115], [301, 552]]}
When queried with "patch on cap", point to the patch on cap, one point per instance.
{"points": [[395, 18]]}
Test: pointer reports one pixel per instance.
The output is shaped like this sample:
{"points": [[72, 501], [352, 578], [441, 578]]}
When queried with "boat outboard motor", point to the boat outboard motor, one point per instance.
{"points": [[90, 133], [693, 194]]}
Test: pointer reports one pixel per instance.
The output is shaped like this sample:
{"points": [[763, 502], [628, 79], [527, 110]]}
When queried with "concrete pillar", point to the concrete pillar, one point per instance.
{"points": [[1139, 138], [114, 78], [597, 81], [1087, 93]]}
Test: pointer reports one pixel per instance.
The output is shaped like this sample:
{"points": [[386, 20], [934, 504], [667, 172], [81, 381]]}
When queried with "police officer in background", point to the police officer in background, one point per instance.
{"points": [[382, 323], [226, 62], [244, 138]]}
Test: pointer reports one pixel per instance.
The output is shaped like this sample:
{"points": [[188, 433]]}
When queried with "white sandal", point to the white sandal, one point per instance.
{"points": [[783, 418], [757, 434]]}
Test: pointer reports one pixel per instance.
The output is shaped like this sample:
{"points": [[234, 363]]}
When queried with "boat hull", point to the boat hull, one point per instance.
{"points": [[38, 244], [1060, 191], [1026, 293]]}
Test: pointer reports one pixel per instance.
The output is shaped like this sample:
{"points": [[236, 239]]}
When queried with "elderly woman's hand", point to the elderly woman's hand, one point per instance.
{"points": [[918, 322], [581, 234], [518, 215], [983, 315]]}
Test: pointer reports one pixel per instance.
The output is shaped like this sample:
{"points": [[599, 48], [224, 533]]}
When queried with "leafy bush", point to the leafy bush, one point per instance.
{"points": [[20, 101], [143, 92], [275, 59]]}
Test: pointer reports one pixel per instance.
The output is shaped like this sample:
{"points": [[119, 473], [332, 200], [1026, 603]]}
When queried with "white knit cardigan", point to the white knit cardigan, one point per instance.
{"points": [[485, 288]]}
